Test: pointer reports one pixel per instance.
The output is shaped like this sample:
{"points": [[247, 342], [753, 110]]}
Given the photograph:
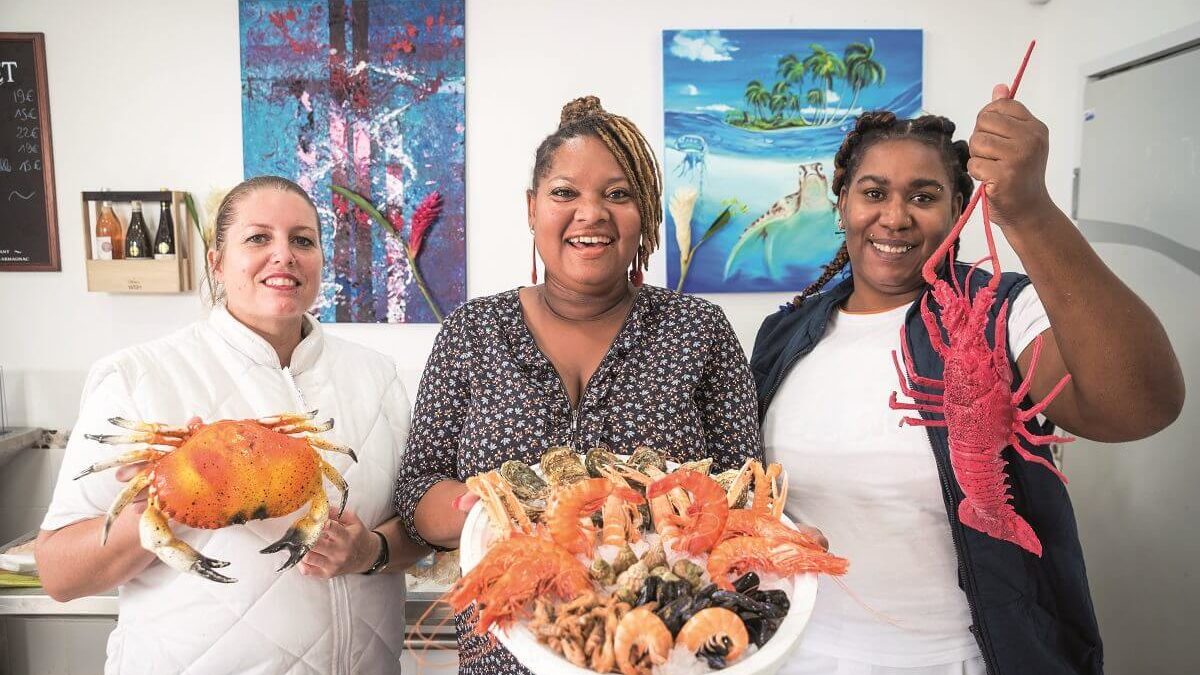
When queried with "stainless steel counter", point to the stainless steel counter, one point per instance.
{"points": [[439, 622], [35, 602]]}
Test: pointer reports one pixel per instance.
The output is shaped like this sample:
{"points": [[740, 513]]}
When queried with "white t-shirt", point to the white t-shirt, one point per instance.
{"points": [[872, 487]]}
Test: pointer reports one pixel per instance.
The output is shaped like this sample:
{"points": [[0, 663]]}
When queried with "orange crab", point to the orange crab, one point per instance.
{"points": [[221, 474]]}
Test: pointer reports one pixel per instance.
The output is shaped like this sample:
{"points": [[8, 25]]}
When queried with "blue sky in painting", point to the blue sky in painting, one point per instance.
{"points": [[709, 69]]}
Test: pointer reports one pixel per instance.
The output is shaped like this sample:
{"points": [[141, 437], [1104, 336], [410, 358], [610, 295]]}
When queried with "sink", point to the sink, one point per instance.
{"points": [[15, 440]]}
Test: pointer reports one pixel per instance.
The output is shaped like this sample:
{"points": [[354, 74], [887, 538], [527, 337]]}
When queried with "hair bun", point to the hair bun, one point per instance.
{"points": [[581, 108]]}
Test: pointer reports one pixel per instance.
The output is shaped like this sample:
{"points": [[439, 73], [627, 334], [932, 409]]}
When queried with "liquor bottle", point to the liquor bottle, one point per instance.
{"points": [[137, 238], [164, 239], [110, 239]]}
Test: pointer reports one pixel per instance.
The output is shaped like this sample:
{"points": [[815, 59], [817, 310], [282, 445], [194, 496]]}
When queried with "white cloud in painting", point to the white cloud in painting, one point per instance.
{"points": [[716, 107], [702, 45], [689, 90], [831, 96]]}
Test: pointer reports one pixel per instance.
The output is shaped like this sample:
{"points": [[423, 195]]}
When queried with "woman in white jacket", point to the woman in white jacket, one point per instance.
{"points": [[256, 355]]}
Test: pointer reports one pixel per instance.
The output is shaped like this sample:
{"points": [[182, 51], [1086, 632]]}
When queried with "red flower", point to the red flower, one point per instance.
{"points": [[425, 215]]}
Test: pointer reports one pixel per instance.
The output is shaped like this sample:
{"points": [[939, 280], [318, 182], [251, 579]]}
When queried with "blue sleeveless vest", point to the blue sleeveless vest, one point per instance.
{"points": [[1030, 615]]}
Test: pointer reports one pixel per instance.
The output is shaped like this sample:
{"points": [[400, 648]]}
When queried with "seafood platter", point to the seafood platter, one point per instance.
{"points": [[632, 564]]}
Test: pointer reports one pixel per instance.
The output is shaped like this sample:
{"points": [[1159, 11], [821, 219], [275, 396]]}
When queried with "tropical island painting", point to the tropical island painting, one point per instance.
{"points": [[752, 121]]}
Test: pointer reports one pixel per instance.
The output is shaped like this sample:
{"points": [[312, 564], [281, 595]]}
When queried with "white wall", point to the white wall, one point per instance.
{"points": [[145, 93]]}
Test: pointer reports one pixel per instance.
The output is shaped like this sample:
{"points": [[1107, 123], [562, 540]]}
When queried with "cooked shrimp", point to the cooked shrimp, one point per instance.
{"points": [[622, 521], [570, 504], [769, 491], [715, 631], [662, 514], [756, 523], [642, 642], [704, 520], [514, 572], [742, 554]]}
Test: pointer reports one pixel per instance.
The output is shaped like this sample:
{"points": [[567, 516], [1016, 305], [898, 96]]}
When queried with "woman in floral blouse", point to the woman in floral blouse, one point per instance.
{"points": [[589, 357]]}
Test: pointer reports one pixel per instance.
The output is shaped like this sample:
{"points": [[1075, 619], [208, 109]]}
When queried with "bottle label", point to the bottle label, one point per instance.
{"points": [[134, 250], [104, 248]]}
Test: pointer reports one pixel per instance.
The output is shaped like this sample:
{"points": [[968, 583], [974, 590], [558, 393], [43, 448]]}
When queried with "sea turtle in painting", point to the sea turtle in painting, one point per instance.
{"points": [[225, 473], [792, 224]]}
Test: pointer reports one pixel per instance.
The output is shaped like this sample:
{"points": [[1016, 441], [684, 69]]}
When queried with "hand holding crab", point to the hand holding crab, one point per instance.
{"points": [[347, 546]]}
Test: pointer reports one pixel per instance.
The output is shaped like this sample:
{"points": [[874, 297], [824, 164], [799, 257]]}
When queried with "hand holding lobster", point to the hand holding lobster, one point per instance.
{"points": [[1009, 148]]}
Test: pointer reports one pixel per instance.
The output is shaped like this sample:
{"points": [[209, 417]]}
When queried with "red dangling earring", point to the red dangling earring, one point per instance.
{"points": [[533, 270], [635, 275]]}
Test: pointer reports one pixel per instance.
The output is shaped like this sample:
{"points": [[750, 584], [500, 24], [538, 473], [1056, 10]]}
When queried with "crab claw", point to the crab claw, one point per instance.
{"points": [[204, 567], [304, 533], [157, 537], [292, 542]]}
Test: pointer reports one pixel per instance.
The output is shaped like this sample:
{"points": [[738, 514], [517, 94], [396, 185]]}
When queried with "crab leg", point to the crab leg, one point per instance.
{"points": [[322, 444], [151, 427], [304, 427], [158, 538], [144, 453], [286, 419], [139, 438], [337, 480], [135, 486], [303, 534]]}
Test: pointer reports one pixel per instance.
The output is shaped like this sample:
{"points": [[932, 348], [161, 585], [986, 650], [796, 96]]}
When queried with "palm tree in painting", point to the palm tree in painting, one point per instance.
{"points": [[862, 70], [793, 104], [823, 64], [791, 69], [779, 99], [757, 96], [816, 99]]}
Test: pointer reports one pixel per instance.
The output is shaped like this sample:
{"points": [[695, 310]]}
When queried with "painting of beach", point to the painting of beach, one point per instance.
{"points": [[752, 121]]}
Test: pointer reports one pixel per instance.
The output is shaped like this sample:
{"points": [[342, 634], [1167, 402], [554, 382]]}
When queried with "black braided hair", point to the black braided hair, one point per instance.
{"points": [[882, 125]]}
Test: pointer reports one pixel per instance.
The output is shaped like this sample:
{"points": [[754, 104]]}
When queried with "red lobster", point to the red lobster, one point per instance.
{"points": [[980, 410]]}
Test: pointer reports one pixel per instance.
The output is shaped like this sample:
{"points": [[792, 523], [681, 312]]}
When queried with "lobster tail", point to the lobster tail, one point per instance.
{"points": [[1009, 526]]}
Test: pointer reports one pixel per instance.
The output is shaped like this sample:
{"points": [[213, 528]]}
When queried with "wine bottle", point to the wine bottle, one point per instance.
{"points": [[164, 239], [110, 241], [137, 238]]}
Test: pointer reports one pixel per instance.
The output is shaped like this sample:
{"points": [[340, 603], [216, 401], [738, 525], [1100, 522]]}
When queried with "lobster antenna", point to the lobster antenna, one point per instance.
{"points": [[928, 271], [1012, 91]]}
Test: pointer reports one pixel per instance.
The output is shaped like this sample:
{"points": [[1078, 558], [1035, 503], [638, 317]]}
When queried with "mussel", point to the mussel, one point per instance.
{"points": [[746, 583]]}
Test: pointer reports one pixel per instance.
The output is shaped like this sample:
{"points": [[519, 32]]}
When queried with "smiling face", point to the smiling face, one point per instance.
{"points": [[270, 263], [896, 209], [584, 217]]}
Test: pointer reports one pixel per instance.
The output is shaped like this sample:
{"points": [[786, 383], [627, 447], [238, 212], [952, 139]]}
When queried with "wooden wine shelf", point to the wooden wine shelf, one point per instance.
{"points": [[140, 276]]}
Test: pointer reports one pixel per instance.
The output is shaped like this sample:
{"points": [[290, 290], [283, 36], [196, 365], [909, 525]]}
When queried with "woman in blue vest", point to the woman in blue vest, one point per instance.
{"points": [[930, 595]]}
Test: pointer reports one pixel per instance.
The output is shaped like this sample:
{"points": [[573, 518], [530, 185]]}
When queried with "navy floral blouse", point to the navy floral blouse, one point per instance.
{"points": [[674, 379]]}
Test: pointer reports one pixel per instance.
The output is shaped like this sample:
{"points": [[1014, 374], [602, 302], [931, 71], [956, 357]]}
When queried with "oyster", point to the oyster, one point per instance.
{"points": [[561, 466], [701, 466], [738, 491], [645, 457], [598, 461], [525, 483]]}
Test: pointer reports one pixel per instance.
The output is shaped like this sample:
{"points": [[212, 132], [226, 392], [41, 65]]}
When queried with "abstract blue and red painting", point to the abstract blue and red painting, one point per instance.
{"points": [[367, 95]]}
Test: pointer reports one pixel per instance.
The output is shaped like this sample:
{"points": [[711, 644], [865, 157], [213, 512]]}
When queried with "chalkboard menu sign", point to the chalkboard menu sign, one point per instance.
{"points": [[28, 218]]}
